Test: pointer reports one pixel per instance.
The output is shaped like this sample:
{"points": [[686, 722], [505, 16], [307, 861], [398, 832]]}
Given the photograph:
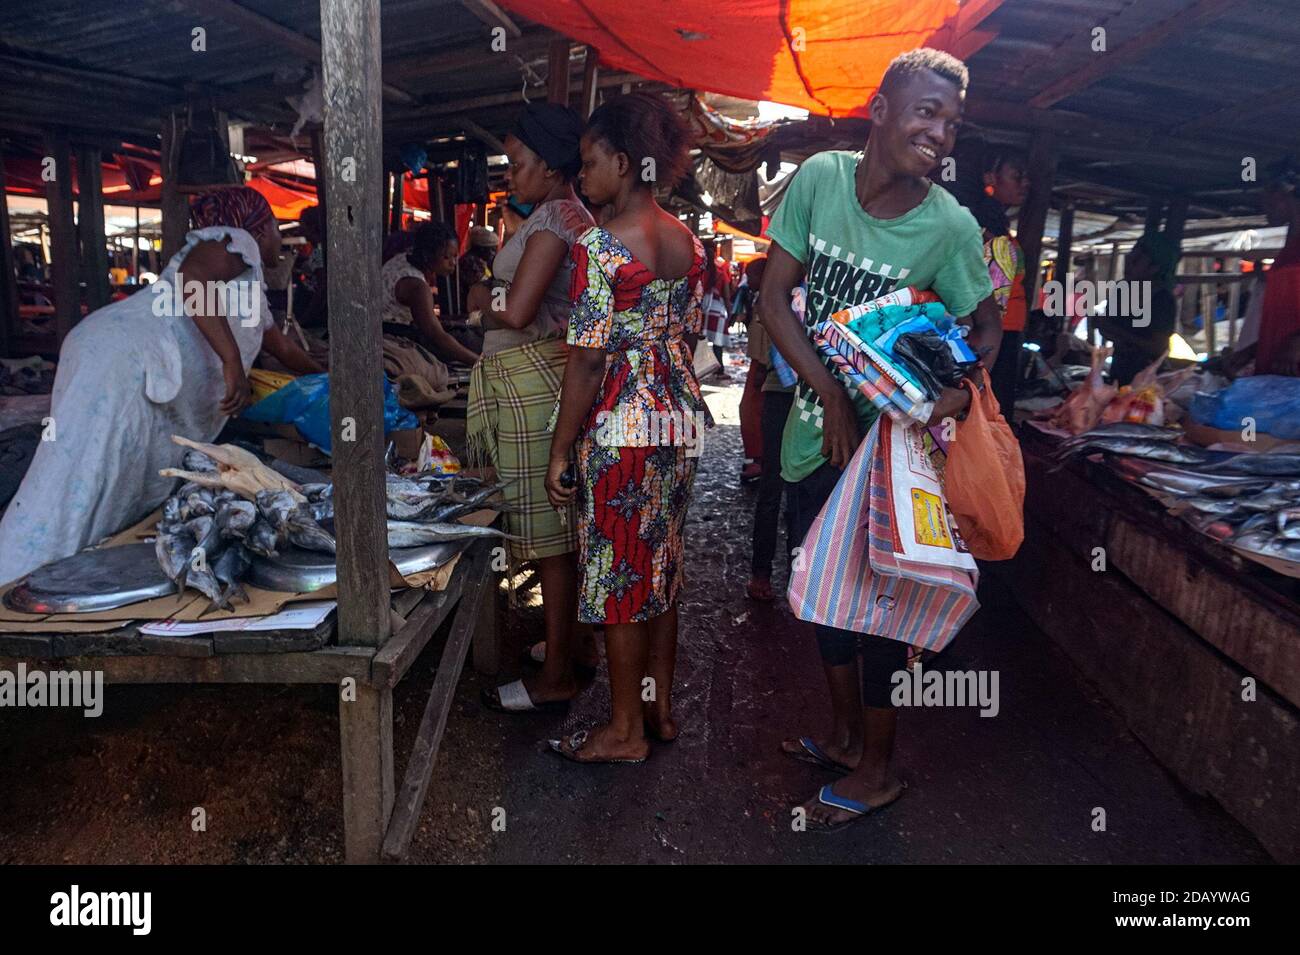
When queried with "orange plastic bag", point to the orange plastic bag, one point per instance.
{"points": [[984, 479]]}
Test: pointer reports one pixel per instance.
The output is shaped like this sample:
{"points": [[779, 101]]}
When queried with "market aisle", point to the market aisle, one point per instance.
{"points": [[1018, 787], [263, 762]]}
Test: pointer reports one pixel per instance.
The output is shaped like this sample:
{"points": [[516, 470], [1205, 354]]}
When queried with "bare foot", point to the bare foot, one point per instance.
{"points": [[601, 744], [760, 589], [842, 757], [659, 724], [821, 816]]}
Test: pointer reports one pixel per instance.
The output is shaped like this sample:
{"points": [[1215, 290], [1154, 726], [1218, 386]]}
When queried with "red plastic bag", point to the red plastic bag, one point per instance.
{"points": [[984, 479]]}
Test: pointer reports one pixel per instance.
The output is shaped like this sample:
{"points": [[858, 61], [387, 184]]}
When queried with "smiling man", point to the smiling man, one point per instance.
{"points": [[856, 226]]}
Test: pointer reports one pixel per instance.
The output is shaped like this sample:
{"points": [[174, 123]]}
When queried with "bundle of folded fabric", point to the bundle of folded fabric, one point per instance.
{"points": [[900, 355]]}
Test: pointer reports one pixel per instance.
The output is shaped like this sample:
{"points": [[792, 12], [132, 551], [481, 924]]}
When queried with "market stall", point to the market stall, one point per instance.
{"points": [[1164, 568]]}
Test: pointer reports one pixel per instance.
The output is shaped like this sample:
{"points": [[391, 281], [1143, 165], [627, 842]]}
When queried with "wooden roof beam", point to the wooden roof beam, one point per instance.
{"points": [[1194, 15], [304, 46], [493, 16]]}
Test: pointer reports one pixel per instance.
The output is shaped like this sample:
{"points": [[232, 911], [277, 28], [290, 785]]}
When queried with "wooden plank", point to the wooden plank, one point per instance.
{"points": [[1195, 15], [292, 40], [557, 77], [329, 665], [174, 208], [1257, 635], [590, 82], [90, 226], [487, 632], [396, 656], [354, 174], [493, 16], [63, 236], [419, 768], [366, 740], [1178, 695], [9, 319], [1033, 217]]}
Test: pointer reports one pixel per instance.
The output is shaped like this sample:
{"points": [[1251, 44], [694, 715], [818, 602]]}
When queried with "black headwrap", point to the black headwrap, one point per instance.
{"points": [[552, 131]]}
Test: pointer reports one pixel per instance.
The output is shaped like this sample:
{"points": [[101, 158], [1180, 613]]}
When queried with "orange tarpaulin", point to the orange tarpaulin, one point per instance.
{"points": [[285, 202], [826, 56]]}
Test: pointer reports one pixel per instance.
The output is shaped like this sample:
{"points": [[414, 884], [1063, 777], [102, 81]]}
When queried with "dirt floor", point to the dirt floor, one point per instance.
{"points": [[263, 762]]}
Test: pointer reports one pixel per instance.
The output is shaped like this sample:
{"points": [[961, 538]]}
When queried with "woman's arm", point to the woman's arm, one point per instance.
{"points": [[543, 253], [288, 353], [416, 295], [206, 263], [583, 373]]}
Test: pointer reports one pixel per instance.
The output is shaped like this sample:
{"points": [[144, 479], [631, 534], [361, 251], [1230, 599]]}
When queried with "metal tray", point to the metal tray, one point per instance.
{"points": [[92, 580], [300, 571]]}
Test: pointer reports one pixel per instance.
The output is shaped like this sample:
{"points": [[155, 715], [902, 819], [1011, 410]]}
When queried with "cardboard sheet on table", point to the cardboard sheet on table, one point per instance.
{"points": [[192, 605]]}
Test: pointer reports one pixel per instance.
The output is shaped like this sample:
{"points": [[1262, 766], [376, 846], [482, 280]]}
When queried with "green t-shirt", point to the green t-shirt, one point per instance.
{"points": [[850, 258]]}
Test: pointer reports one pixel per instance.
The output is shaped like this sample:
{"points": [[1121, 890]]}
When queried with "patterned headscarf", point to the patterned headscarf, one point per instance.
{"points": [[239, 207]]}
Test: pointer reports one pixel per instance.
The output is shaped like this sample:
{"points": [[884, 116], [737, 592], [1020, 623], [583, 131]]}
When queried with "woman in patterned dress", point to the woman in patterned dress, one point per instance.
{"points": [[633, 409]]}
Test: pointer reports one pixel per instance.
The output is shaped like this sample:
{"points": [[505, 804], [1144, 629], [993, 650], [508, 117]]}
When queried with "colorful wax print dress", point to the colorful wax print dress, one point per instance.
{"points": [[638, 450]]}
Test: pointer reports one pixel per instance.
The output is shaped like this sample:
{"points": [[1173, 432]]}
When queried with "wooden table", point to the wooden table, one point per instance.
{"points": [[1197, 647], [379, 819]]}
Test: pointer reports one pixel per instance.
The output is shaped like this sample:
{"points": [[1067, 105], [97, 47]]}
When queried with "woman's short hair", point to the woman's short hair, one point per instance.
{"points": [[430, 242], [645, 126]]}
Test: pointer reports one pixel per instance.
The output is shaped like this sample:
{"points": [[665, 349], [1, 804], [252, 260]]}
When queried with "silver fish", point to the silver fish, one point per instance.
{"points": [[206, 534], [317, 492], [1266, 465], [1269, 544], [304, 532], [205, 581], [1128, 429], [262, 539], [409, 534], [322, 510], [230, 569], [235, 518], [1136, 447], [417, 509], [275, 507], [173, 546]]}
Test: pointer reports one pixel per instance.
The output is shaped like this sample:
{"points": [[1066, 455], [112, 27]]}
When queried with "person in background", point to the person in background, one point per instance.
{"points": [[751, 400], [1276, 350], [991, 180], [315, 313], [139, 370], [1140, 340], [407, 281], [777, 399], [857, 226], [513, 391], [717, 309], [633, 409]]}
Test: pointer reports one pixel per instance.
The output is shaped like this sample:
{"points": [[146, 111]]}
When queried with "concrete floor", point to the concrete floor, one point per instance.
{"points": [[263, 761]]}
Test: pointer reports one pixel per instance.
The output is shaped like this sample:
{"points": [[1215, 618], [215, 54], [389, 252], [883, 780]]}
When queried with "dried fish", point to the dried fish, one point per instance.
{"points": [[304, 532], [275, 507], [262, 539], [1265, 465], [229, 569], [410, 534], [235, 518], [173, 545], [1137, 447], [199, 462], [1128, 429]]}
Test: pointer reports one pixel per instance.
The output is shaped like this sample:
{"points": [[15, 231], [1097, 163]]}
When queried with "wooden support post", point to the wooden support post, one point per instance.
{"points": [[487, 634], [63, 237], [318, 160], [90, 226], [1064, 253], [1033, 217], [590, 74], [557, 77], [353, 173], [9, 321], [1155, 213], [174, 207], [354, 176], [366, 739], [1176, 220], [396, 200]]}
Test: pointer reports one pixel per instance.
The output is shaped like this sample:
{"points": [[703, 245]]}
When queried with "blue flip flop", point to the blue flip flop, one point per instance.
{"points": [[814, 755], [827, 797]]}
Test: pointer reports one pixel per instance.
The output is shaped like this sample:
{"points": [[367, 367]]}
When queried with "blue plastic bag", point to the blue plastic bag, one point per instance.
{"points": [[305, 404], [1273, 401]]}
